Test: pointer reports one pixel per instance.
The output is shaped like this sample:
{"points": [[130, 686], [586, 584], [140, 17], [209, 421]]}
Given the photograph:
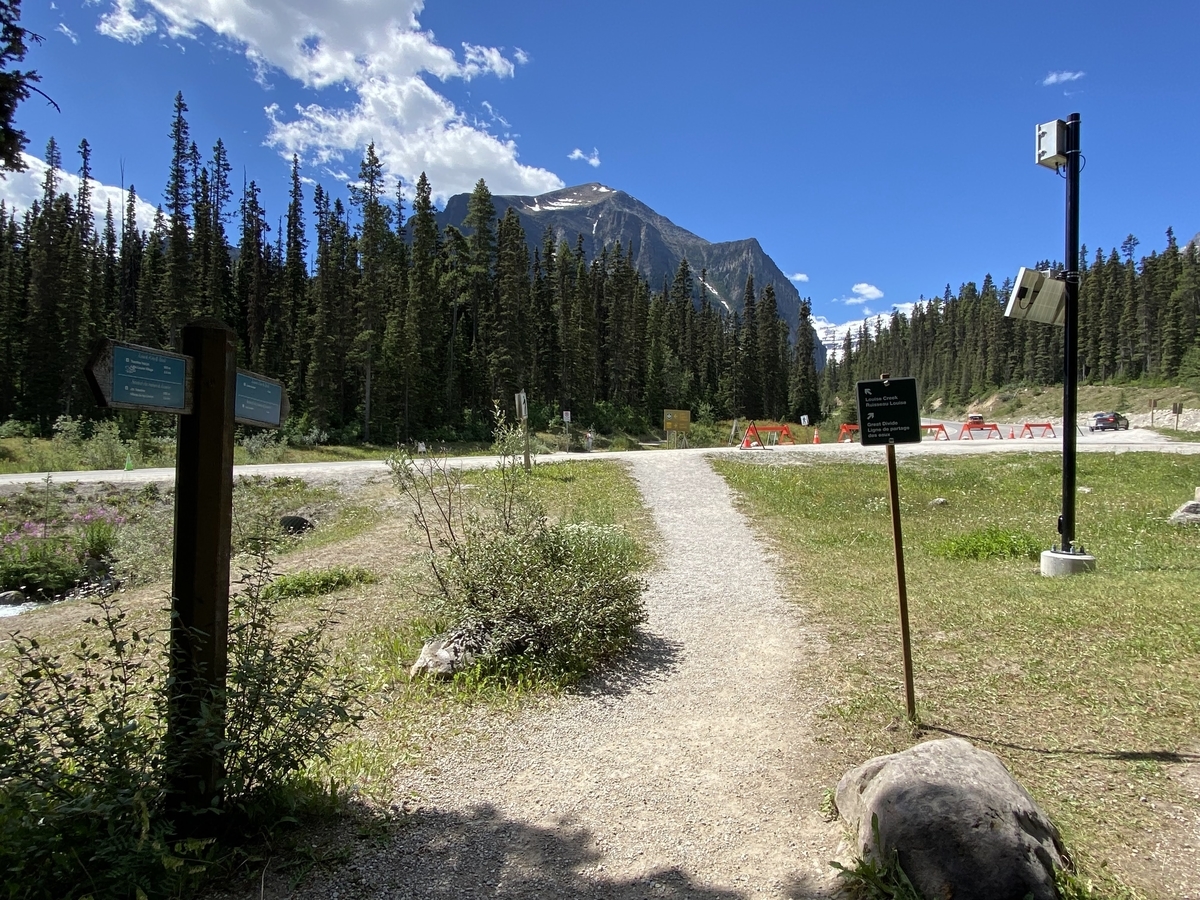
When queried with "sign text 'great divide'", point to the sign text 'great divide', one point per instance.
{"points": [[259, 401], [129, 376], [888, 412]]}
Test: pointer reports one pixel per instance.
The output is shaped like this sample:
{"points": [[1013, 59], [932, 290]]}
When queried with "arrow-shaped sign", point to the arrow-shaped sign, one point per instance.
{"points": [[129, 376]]}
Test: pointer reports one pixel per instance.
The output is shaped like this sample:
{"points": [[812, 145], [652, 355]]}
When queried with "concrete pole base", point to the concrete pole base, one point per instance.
{"points": [[1056, 562]]}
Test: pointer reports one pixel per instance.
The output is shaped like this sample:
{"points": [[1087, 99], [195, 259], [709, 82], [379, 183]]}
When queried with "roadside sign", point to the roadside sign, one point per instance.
{"points": [[1177, 409], [888, 412], [567, 416], [677, 419], [259, 401], [522, 405], [129, 376]]}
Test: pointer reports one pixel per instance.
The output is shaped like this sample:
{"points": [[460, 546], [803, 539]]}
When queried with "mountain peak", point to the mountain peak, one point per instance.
{"points": [[599, 216]]}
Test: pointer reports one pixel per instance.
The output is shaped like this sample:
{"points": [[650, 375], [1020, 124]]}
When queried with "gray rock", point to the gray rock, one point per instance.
{"points": [[448, 653], [12, 598], [295, 524], [1188, 514], [961, 824], [938, 501]]}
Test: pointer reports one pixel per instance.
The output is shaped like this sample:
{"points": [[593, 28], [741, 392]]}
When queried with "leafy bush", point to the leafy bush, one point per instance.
{"points": [[84, 773], [992, 542], [315, 583], [11, 428], [286, 705], [39, 564], [261, 446], [546, 601]]}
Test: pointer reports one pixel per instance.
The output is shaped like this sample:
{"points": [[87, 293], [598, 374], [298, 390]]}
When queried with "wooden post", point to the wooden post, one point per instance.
{"points": [[200, 591], [898, 543]]}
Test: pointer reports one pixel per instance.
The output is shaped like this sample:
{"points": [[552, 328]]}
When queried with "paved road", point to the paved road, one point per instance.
{"points": [[359, 471]]}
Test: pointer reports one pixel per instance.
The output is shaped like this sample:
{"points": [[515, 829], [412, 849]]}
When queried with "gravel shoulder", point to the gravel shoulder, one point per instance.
{"points": [[682, 773]]}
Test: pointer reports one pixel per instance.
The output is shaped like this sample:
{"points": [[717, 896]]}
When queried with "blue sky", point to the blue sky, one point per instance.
{"points": [[878, 151]]}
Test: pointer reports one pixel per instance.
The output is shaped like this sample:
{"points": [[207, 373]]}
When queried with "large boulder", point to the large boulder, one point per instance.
{"points": [[962, 827]]}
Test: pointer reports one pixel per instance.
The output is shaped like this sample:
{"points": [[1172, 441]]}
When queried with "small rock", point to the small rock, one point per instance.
{"points": [[938, 501], [295, 524], [11, 598], [1188, 514], [446, 654]]}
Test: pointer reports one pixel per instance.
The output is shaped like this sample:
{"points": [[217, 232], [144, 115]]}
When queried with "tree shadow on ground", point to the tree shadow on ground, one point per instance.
{"points": [[435, 854], [652, 659]]}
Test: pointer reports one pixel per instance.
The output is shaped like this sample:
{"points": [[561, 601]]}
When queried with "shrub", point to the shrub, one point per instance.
{"points": [[40, 564], [547, 601], [262, 446], [992, 542], [84, 773], [315, 583]]}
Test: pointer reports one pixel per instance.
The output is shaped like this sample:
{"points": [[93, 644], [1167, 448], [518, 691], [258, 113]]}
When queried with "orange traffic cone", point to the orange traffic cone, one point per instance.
{"points": [[1012, 435], [746, 442], [816, 435]]}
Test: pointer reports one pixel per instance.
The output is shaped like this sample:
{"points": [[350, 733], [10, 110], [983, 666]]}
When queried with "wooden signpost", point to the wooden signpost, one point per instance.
{"points": [[889, 414], [209, 393]]}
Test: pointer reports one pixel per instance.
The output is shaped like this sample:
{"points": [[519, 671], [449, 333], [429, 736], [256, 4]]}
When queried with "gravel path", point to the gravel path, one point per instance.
{"points": [[679, 775]]}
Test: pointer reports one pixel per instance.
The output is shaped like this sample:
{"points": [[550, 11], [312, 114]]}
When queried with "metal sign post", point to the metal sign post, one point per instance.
{"points": [[888, 414], [523, 415]]}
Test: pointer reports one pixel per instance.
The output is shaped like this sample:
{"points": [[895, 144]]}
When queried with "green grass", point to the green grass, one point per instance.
{"points": [[1087, 687], [317, 582]]}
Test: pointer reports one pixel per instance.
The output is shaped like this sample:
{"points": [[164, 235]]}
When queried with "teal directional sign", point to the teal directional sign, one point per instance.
{"points": [[888, 412], [259, 401], [129, 376]]}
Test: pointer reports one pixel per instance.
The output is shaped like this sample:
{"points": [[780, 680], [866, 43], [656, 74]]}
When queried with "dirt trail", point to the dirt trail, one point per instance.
{"points": [[681, 774]]}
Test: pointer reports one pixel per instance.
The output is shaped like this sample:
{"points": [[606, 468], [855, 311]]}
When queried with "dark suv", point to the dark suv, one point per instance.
{"points": [[1108, 420]]}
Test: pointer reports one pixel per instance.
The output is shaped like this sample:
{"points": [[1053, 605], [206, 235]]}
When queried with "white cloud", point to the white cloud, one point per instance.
{"points": [[799, 276], [123, 25], [592, 159], [520, 56], [1061, 78], [71, 36], [862, 293], [19, 189], [376, 51]]}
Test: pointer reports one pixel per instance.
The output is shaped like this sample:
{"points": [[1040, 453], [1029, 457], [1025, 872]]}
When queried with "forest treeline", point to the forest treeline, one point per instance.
{"points": [[1137, 320], [386, 328]]}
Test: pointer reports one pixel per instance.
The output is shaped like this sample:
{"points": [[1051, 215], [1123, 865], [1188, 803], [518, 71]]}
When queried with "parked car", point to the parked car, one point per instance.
{"points": [[1106, 421]]}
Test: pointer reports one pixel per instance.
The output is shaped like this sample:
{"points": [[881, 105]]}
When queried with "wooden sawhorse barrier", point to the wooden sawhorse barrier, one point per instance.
{"points": [[937, 430], [1047, 429], [990, 427]]}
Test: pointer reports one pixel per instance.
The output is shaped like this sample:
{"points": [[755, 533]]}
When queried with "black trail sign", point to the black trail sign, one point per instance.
{"points": [[888, 412]]}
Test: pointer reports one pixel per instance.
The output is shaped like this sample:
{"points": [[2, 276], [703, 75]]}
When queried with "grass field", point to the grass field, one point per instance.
{"points": [[1087, 687]]}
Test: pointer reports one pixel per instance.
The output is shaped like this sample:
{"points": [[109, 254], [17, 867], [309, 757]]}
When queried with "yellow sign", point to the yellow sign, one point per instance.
{"points": [[677, 419]]}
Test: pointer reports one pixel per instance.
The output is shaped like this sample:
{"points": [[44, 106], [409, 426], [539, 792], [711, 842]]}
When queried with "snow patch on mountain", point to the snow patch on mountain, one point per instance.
{"points": [[832, 335]]}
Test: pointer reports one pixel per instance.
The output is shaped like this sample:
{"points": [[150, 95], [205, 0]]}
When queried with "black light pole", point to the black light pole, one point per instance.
{"points": [[1066, 523]]}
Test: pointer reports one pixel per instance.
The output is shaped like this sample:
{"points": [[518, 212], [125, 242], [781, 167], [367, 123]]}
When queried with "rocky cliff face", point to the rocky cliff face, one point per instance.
{"points": [[604, 216]]}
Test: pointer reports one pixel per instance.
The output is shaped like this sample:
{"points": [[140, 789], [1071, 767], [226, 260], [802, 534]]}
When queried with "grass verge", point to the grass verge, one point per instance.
{"points": [[1086, 687]]}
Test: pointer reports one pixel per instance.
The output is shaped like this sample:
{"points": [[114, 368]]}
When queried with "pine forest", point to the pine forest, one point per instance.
{"points": [[385, 329]]}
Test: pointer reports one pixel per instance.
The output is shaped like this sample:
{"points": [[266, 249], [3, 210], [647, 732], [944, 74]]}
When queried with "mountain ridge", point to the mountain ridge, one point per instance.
{"points": [[602, 216]]}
